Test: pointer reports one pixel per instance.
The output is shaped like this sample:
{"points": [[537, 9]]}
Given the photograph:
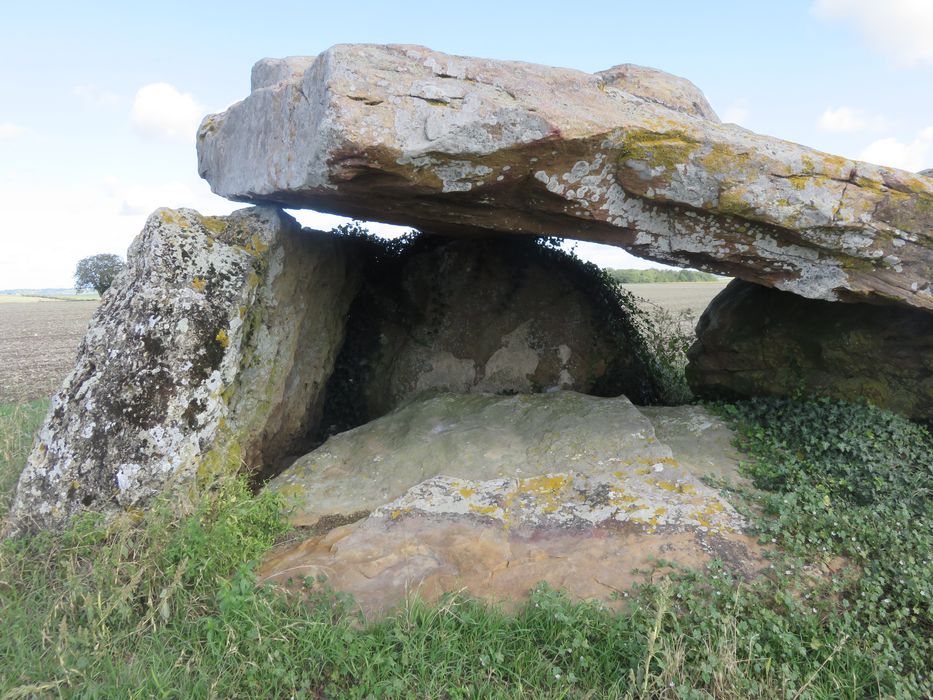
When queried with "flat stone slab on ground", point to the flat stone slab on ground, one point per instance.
{"points": [[496, 540], [475, 436], [496, 494]]}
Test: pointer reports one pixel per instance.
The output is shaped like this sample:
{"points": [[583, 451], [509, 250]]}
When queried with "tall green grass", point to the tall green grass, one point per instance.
{"points": [[18, 426], [165, 604]]}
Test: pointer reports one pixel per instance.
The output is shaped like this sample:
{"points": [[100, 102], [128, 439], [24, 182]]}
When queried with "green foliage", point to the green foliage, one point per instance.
{"points": [[165, 603], [18, 426], [854, 481], [669, 336], [656, 275], [97, 272], [103, 609]]}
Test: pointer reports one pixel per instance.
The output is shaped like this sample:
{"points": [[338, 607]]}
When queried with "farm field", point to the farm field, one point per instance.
{"points": [[38, 343], [678, 297]]}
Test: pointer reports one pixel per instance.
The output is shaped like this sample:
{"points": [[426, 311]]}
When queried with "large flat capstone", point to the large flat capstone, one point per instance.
{"points": [[628, 156]]}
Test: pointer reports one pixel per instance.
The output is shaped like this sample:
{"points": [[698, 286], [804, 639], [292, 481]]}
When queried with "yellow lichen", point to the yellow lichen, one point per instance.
{"points": [[676, 488], [483, 509], [466, 492], [213, 224], [256, 246], [659, 149], [168, 216], [222, 338], [198, 284]]}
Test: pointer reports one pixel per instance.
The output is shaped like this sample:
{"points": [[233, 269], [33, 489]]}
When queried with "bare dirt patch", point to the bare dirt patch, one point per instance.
{"points": [[38, 344]]}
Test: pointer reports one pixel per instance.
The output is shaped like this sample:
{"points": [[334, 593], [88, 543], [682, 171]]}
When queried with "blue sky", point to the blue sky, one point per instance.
{"points": [[100, 100]]}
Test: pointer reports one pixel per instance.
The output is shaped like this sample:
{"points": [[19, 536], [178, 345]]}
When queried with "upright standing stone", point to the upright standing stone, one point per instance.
{"points": [[754, 341], [209, 352]]}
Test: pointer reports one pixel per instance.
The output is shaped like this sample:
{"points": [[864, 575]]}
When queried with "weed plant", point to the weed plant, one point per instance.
{"points": [[853, 481]]}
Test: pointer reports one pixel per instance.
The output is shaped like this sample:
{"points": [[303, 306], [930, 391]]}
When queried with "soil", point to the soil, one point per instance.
{"points": [[38, 345], [692, 297]]}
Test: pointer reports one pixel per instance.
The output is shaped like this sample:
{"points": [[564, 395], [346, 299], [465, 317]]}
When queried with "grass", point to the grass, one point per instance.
{"points": [[165, 604], [18, 425]]}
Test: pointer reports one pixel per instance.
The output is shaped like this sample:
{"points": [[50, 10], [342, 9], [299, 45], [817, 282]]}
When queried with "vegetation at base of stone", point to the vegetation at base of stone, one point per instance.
{"points": [[97, 272], [165, 603], [654, 275], [857, 482], [18, 426], [669, 335]]}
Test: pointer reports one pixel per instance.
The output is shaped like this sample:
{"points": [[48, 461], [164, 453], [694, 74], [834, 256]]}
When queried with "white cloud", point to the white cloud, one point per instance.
{"points": [[913, 156], [162, 111], [736, 113], [133, 199], [96, 97], [10, 131], [901, 29], [79, 219], [610, 256], [849, 120]]}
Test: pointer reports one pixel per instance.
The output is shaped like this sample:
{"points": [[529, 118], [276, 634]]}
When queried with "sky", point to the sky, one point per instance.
{"points": [[100, 100]]}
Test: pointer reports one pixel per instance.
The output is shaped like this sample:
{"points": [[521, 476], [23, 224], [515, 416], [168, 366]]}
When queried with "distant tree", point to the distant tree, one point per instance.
{"points": [[656, 275], [97, 272]]}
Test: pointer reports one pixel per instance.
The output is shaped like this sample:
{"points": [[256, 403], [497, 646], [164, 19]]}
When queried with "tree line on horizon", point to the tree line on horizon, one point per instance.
{"points": [[656, 275]]}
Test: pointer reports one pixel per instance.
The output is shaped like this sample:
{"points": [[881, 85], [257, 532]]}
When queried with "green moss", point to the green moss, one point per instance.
{"points": [[731, 201], [659, 149]]}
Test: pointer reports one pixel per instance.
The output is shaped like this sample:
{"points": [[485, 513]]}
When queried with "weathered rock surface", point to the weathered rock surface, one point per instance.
{"points": [[629, 157], [497, 539], [209, 352], [699, 440], [476, 437], [499, 316], [756, 341]]}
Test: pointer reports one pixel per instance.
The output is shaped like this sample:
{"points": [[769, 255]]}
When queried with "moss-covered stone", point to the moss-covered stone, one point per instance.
{"points": [[755, 341]]}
